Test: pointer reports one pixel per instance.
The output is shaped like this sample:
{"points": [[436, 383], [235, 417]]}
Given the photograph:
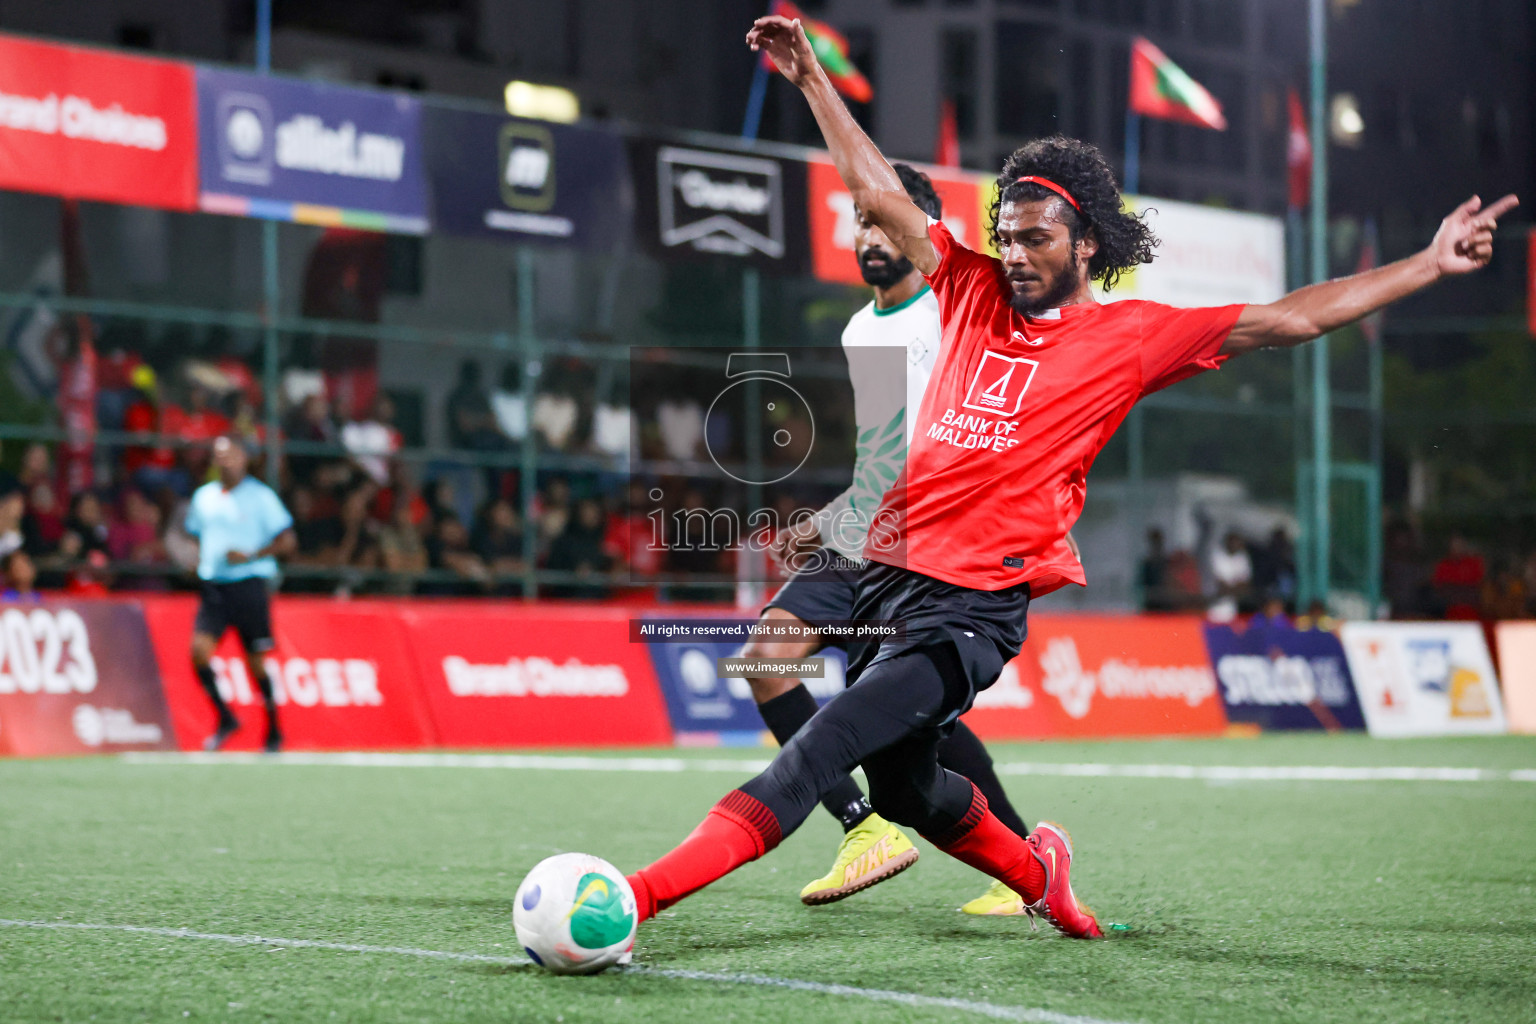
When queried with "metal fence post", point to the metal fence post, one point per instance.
{"points": [[1322, 403], [529, 461], [271, 288]]}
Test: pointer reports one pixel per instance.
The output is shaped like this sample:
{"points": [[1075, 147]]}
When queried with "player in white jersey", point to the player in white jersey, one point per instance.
{"points": [[891, 345]]}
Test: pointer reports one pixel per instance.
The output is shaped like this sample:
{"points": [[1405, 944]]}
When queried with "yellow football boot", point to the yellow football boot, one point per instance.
{"points": [[872, 852], [998, 900]]}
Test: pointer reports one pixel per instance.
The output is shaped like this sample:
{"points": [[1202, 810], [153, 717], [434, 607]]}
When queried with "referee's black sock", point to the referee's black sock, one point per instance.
{"points": [[784, 715], [264, 684], [210, 685], [963, 753]]}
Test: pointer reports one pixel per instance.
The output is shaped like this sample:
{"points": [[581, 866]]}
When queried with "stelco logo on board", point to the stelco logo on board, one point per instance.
{"points": [[720, 202]]}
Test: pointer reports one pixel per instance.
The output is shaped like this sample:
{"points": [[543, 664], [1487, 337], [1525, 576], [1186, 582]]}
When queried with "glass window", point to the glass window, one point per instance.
{"points": [[1028, 73], [957, 71], [1219, 22], [1127, 13]]}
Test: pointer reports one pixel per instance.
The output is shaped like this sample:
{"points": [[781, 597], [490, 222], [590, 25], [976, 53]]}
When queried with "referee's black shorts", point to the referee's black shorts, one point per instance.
{"points": [[244, 604]]}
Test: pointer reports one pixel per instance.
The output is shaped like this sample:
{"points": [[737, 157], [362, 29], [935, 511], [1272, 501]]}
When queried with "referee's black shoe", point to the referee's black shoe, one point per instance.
{"points": [[220, 735], [274, 741]]}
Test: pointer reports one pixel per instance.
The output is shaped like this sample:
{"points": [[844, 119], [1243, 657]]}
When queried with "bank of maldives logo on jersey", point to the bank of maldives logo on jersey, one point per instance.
{"points": [[999, 384]]}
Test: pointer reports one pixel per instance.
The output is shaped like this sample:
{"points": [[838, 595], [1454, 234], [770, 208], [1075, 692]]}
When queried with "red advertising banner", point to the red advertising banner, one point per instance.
{"points": [[831, 218], [1104, 676], [342, 671], [79, 678], [88, 124], [513, 675]]}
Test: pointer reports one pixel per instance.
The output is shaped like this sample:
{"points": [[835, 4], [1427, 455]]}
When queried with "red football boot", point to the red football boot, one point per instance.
{"points": [[1052, 847]]}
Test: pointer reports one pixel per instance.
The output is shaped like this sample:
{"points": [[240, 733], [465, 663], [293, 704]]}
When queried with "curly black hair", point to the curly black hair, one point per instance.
{"points": [[920, 190], [1080, 168]]}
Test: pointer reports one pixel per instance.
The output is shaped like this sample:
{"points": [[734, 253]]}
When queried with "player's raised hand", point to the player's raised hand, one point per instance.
{"points": [[1464, 242], [786, 43]]}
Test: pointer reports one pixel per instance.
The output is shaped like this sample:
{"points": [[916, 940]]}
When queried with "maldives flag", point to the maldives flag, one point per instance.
{"points": [[946, 152], [1298, 153], [831, 49], [1160, 88]]}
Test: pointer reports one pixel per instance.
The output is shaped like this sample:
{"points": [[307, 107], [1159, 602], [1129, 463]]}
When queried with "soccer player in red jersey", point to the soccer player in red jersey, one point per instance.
{"points": [[1032, 379]]}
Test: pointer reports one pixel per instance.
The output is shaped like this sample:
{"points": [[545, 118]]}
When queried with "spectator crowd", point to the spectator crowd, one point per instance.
{"points": [[87, 518], [1233, 575], [366, 519]]}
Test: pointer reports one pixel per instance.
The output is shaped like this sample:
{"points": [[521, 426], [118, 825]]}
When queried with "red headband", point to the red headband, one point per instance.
{"points": [[1048, 183]]}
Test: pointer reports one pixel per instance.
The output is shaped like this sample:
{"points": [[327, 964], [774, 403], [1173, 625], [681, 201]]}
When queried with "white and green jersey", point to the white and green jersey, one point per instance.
{"points": [[891, 353]]}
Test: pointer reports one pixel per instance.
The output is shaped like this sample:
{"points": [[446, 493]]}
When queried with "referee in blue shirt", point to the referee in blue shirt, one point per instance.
{"points": [[242, 529]]}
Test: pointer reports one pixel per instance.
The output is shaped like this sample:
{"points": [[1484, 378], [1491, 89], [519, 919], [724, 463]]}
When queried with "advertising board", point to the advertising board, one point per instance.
{"points": [[1279, 677], [79, 678], [1423, 678], [342, 673], [310, 152], [88, 124]]}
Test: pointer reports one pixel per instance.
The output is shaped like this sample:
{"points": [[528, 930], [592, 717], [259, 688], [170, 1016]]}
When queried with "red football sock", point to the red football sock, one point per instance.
{"points": [[985, 843], [737, 829]]}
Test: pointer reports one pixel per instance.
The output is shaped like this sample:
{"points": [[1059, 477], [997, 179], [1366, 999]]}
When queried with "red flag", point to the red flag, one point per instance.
{"points": [[831, 49], [1298, 152], [946, 152], [1160, 88]]}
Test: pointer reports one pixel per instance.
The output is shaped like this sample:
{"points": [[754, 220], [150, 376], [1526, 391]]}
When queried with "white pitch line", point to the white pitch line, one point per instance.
{"points": [[536, 762], [750, 766], [1029, 1015], [1262, 773], [262, 940]]}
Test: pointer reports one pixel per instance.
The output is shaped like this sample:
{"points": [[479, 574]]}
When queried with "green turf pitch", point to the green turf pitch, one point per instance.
{"points": [[1251, 901]]}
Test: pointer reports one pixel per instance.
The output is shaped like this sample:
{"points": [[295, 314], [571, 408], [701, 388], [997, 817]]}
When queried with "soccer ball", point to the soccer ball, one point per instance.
{"points": [[575, 914]]}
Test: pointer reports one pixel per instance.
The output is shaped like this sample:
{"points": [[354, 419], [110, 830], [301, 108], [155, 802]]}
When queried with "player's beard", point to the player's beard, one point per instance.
{"points": [[1061, 289], [885, 273]]}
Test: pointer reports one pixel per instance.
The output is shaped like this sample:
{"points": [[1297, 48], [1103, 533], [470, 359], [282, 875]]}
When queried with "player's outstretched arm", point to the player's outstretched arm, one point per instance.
{"points": [[1463, 244], [869, 176]]}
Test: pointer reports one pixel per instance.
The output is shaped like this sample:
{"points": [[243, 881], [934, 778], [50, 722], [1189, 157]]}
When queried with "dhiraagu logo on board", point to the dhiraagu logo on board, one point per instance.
{"points": [[598, 917]]}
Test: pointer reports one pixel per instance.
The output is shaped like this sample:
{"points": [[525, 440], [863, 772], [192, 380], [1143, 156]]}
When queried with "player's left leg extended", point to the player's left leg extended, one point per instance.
{"points": [[872, 849], [894, 708], [963, 753], [877, 711]]}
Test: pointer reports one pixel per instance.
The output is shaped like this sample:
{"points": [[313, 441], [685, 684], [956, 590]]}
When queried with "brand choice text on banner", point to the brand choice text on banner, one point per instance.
{"points": [[88, 124]]}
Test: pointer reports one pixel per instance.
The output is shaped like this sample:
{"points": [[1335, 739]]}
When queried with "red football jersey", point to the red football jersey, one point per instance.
{"points": [[1015, 413]]}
